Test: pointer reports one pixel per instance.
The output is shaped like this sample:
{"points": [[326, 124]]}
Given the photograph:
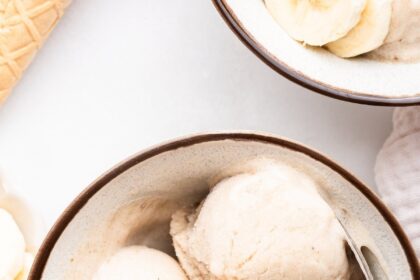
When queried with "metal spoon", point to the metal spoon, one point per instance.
{"points": [[363, 264]]}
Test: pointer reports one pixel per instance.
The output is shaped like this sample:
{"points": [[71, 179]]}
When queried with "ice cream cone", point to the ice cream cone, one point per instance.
{"points": [[24, 26]]}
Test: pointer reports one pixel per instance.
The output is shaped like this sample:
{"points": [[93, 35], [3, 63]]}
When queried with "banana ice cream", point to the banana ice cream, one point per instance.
{"points": [[139, 262], [12, 247], [14, 261], [27, 265], [268, 223], [403, 40], [348, 28], [20, 233]]}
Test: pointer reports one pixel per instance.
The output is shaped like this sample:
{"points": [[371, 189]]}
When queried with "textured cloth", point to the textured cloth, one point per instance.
{"points": [[397, 171], [24, 25]]}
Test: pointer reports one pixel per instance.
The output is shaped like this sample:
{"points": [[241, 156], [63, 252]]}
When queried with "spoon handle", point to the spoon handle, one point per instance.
{"points": [[364, 266]]}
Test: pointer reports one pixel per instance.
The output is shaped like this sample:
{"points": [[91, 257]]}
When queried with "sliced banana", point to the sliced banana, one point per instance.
{"points": [[316, 22], [369, 33], [12, 247], [27, 264]]}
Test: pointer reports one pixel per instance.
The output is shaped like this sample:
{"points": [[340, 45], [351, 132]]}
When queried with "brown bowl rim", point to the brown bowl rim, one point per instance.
{"points": [[71, 211], [288, 72]]}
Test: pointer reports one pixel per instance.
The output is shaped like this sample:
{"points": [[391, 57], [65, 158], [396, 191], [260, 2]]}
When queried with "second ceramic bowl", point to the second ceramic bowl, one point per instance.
{"points": [[134, 201], [360, 80]]}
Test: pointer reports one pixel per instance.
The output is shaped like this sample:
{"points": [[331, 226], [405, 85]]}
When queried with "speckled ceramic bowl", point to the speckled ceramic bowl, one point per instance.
{"points": [[133, 203], [360, 80]]}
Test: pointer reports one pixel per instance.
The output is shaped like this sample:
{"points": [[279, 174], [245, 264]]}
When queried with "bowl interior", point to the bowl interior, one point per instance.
{"points": [[135, 205], [316, 67]]}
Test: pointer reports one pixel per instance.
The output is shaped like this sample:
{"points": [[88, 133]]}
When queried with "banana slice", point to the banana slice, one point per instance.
{"points": [[316, 22], [12, 247], [369, 33], [27, 264]]}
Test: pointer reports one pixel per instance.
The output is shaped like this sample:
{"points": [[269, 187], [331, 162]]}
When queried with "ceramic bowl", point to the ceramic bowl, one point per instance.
{"points": [[133, 202], [360, 80]]}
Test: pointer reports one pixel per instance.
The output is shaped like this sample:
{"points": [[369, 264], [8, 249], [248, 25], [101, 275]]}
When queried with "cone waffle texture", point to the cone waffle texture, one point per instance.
{"points": [[24, 25], [398, 171]]}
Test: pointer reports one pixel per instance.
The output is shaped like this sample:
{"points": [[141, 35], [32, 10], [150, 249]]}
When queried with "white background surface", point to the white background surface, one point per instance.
{"points": [[117, 77]]}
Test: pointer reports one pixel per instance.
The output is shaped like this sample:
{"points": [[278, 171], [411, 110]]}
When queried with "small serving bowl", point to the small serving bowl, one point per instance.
{"points": [[360, 80], [133, 203]]}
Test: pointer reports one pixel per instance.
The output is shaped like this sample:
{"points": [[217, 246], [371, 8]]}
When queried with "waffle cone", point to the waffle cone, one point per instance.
{"points": [[24, 26]]}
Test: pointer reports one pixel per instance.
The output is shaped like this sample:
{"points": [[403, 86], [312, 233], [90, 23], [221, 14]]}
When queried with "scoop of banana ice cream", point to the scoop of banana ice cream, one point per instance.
{"points": [[267, 224], [27, 264], [139, 262], [12, 247], [403, 40]]}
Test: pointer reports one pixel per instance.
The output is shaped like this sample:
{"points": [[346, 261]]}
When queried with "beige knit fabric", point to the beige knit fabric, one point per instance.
{"points": [[397, 171], [24, 25]]}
